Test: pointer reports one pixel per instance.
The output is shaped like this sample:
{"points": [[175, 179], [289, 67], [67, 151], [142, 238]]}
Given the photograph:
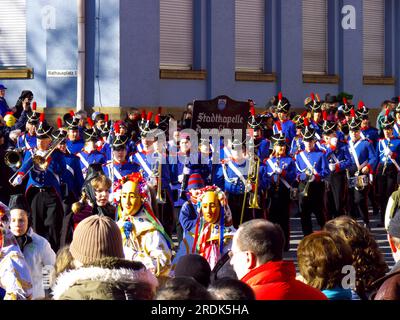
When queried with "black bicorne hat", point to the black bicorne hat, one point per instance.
{"points": [[362, 110], [281, 103], [307, 132], [44, 130], [313, 103]]}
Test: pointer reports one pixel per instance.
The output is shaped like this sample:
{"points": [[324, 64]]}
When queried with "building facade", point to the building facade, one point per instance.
{"points": [[169, 52]]}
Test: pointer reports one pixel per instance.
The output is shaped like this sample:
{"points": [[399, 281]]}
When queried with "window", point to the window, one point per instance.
{"points": [[176, 34], [249, 35], [13, 33], [373, 37], [315, 38]]}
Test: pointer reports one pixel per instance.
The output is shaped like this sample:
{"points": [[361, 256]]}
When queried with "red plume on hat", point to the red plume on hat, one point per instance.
{"points": [[59, 122], [387, 114], [106, 118], [325, 115], [72, 113], [352, 113], [90, 122], [360, 105], [41, 119], [344, 100], [279, 126], [252, 110], [312, 96], [306, 122], [116, 127], [304, 114], [34, 106], [157, 119], [279, 96], [149, 116], [143, 114]]}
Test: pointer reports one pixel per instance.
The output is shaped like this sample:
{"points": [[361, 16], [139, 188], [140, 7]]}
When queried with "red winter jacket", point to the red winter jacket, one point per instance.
{"points": [[276, 280]]}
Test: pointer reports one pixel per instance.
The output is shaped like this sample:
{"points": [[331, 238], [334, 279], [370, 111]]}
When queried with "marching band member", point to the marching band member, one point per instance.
{"points": [[43, 187], [74, 141], [297, 144], [119, 167], [233, 177], [71, 178], [313, 104], [151, 162], [339, 160], [144, 237], [89, 153], [212, 235], [281, 173], [388, 152], [282, 106], [345, 107], [28, 139], [312, 168], [261, 145], [364, 160]]}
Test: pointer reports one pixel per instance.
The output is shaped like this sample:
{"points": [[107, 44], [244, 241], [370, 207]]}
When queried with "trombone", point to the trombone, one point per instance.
{"points": [[40, 161]]}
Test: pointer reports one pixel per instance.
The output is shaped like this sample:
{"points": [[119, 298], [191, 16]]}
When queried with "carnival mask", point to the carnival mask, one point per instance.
{"points": [[131, 201], [210, 207]]}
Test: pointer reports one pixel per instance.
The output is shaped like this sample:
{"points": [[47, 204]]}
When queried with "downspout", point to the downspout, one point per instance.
{"points": [[80, 95]]}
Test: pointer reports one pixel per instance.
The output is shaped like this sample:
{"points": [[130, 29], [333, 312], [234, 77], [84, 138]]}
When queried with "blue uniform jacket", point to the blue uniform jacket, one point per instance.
{"points": [[286, 164], [371, 134], [49, 178], [339, 156], [75, 146], [288, 128], [188, 216], [72, 176], [236, 186], [316, 157], [394, 147], [120, 169], [365, 153], [87, 159]]}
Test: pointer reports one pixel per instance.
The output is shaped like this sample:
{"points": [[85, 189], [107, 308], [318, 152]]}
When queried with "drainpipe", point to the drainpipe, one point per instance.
{"points": [[80, 96]]}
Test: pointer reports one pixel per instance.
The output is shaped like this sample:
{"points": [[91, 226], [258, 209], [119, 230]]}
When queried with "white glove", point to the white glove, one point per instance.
{"points": [[387, 152], [180, 178], [17, 180], [334, 141], [332, 166], [186, 170]]}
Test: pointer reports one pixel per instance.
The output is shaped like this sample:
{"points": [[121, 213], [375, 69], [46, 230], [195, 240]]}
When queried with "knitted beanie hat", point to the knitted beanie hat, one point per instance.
{"points": [[96, 237]]}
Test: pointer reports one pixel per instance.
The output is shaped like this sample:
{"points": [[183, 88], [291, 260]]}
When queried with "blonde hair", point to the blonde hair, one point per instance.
{"points": [[101, 182], [77, 206]]}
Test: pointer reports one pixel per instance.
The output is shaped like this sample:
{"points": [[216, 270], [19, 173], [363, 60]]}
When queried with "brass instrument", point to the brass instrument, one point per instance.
{"points": [[252, 178], [40, 162], [310, 174], [13, 158], [158, 176]]}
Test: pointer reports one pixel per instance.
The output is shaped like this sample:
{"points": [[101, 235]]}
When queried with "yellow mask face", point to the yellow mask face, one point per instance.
{"points": [[131, 200], [210, 207]]}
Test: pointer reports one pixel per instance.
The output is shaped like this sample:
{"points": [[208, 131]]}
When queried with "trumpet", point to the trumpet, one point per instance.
{"points": [[13, 158], [158, 176]]}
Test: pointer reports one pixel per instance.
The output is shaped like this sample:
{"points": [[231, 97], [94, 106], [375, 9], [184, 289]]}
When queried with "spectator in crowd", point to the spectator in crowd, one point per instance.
{"points": [[24, 101], [195, 266], [389, 285], [36, 249], [64, 262], [4, 108], [183, 288], [321, 259], [15, 280], [231, 289], [368, 260], [256, 257], [100, 271]]}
